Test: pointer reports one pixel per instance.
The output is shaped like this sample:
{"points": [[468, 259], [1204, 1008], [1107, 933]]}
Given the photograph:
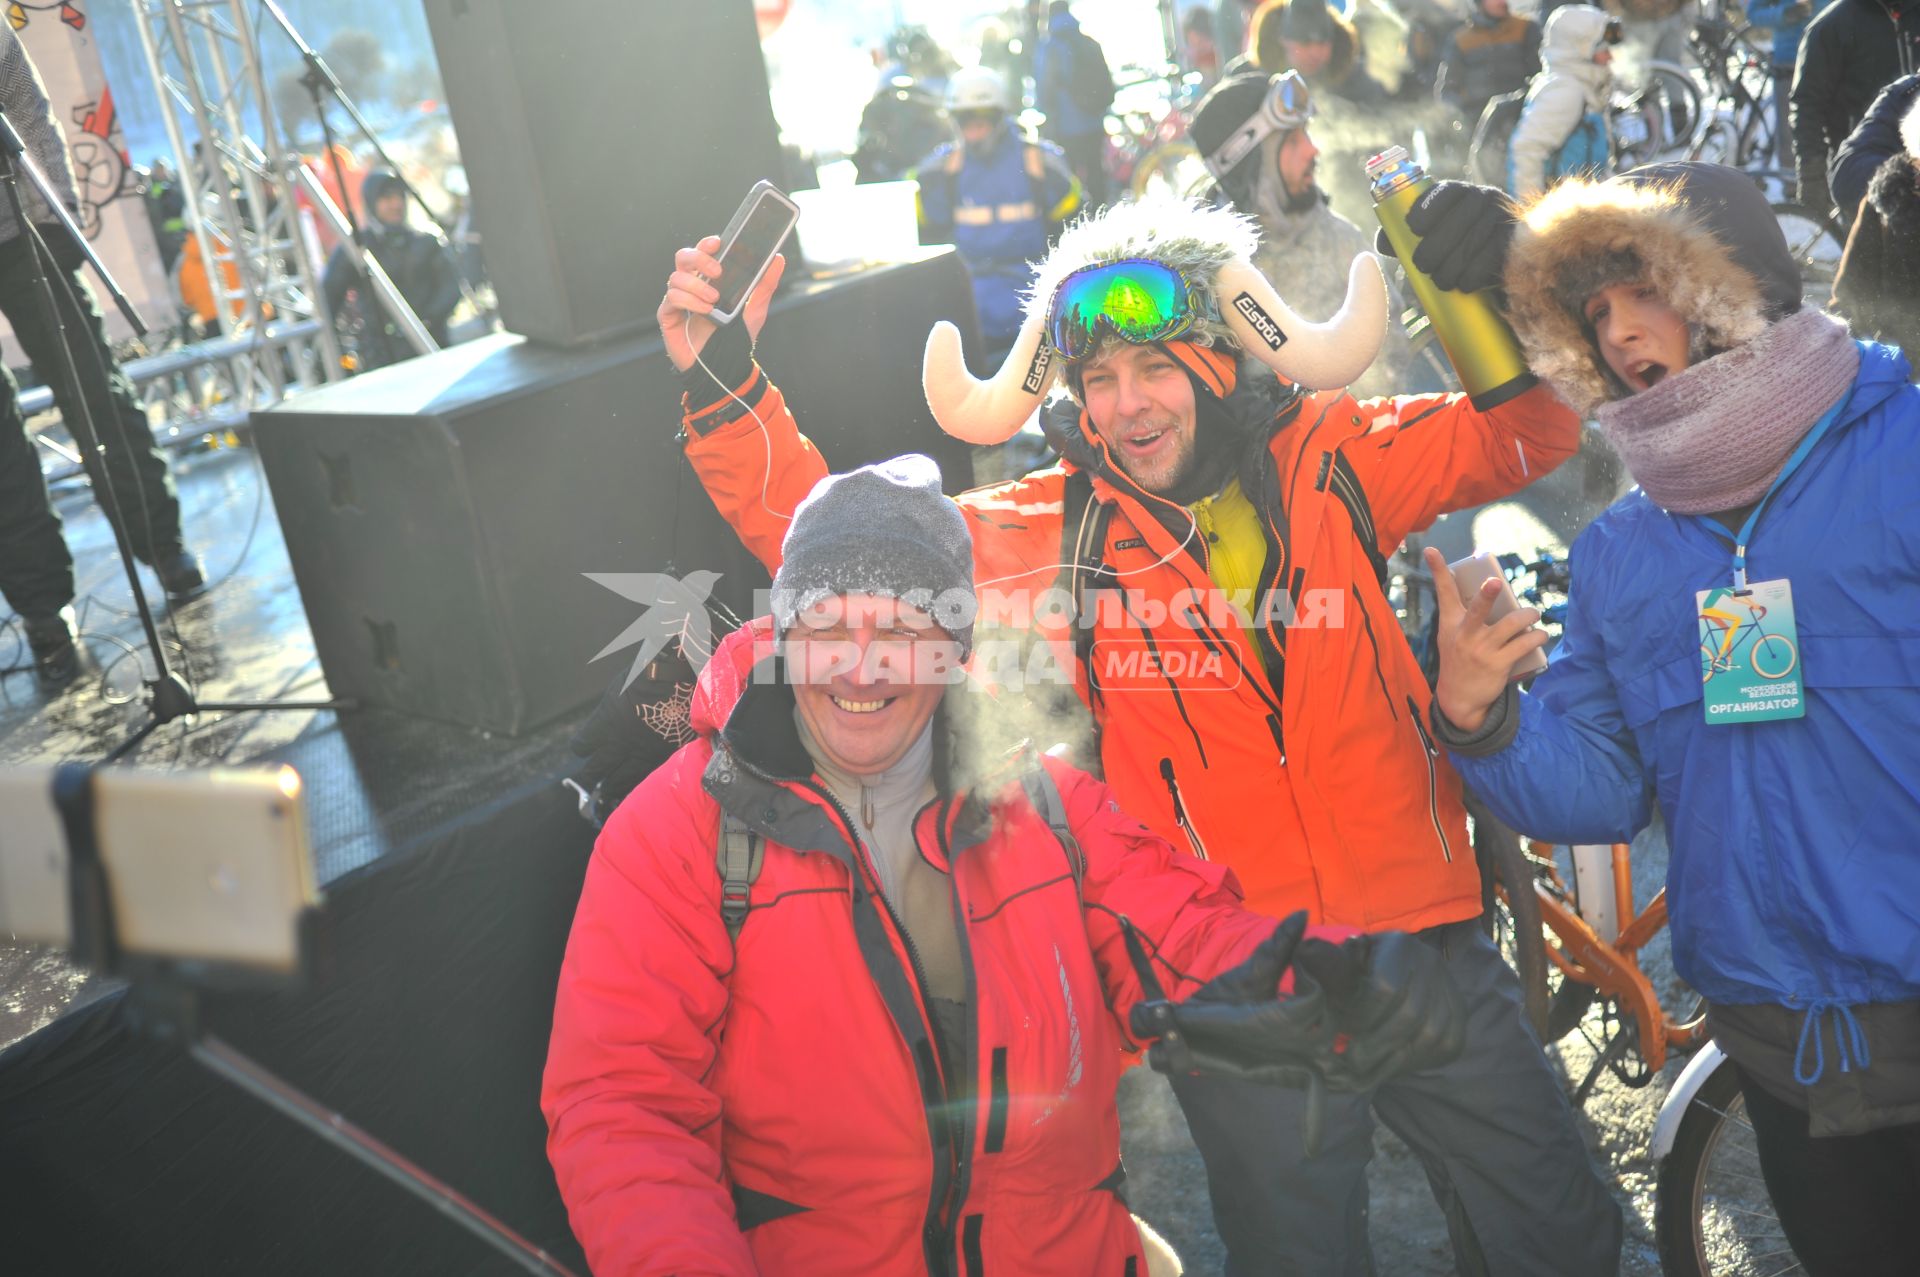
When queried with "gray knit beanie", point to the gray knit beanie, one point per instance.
{"points": [[885, 529]]}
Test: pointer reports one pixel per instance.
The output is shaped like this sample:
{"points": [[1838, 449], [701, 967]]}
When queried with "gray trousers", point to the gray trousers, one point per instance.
{"points": [[1493, 1129]]}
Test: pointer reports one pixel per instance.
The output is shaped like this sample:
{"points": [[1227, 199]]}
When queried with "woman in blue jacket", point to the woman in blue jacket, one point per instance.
{"points": [[1742, 646]]}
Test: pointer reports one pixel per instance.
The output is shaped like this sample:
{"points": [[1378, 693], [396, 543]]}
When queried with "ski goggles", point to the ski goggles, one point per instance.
{"points": [[1137, 300], [1287, 106]]}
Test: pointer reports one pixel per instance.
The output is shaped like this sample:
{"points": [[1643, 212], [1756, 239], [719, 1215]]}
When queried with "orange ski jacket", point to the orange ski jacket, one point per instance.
{"points": [[1298, 754]]}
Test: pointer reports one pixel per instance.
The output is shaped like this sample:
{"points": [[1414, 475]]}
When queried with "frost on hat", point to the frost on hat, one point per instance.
{"points": [[888, 530]]}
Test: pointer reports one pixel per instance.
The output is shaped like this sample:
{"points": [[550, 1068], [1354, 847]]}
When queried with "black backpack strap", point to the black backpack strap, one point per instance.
{"points": [[1083, 544], [1045, 797], [739, 860]]}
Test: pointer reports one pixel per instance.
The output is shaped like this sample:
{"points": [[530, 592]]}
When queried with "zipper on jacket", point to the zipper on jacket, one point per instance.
{"points": [[939, 1225], [1433, 777], [1180, 811], [1373, 641]]}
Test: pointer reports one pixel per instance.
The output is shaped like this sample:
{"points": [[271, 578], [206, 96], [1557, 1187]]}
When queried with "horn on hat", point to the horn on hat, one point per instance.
{"points": [[1318, 356], [987, 412]]}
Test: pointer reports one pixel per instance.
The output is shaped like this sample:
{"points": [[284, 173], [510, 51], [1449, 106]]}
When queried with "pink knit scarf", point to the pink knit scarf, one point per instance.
{"points": [[1713, 437]]}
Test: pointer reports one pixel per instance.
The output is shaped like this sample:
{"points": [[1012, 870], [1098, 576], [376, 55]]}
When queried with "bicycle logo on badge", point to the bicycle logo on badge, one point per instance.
{"points": [[1771, 656]]}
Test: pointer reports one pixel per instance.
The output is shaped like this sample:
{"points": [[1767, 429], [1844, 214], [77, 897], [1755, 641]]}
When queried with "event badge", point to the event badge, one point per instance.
{"points": [[1750, 654]]}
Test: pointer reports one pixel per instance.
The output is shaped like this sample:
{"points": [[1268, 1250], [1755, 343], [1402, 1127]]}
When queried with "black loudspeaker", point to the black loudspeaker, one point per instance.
{"points": [[598, 135], [439, 514]]}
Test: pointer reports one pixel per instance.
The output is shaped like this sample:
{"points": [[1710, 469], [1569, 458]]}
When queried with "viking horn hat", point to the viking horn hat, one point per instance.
{"points": [[1212, 249]]}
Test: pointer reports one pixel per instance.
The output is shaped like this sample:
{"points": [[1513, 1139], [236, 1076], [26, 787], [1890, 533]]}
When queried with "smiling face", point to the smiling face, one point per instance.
{"points": [[1141, 402], [868, 673], [1641, 338]]}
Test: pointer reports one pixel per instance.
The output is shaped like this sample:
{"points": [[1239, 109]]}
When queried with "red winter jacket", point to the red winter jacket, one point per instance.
{"points": [[782, 1109]]}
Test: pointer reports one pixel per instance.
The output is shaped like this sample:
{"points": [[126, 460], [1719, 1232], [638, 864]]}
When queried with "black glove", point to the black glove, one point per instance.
{"points": [[1236, 1025], [1813, 193], [1391, 997], [632, 731], [1465, 231]]}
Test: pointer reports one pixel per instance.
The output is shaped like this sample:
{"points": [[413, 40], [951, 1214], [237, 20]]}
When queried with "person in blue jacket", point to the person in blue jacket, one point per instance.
{"points": [[1789, 19], [1872, 144], [996, 196], [1743, 647], [1073, 87]]}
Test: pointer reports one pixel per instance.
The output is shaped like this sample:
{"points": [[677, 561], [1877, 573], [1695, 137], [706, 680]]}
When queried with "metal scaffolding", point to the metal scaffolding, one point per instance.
{"points": [[239, 180]]}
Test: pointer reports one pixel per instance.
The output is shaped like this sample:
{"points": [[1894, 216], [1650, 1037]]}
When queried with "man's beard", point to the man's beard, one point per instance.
{"points": [[1161, 472], [1306, 197]]}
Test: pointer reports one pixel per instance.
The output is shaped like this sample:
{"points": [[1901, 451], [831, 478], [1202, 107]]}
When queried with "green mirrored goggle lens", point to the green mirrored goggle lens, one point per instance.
{"points": [[1136, 301]]}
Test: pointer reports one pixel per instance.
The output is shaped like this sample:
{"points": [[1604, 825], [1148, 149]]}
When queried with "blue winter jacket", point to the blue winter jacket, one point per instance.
{"points": [[1786, 37], [1053, 79], [996, 208], [1794, 876]]}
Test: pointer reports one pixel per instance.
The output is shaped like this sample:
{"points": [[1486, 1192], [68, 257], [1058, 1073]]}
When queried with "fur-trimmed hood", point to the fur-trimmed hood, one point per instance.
{"points": [[1277, 21], [1701, 235]]}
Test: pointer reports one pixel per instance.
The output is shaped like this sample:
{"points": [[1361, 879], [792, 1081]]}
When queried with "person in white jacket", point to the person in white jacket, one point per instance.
{"points": [[1563, 127]]}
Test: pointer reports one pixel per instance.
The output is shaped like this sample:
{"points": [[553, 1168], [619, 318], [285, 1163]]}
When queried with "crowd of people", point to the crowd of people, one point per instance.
{"points": [[852, 980], [856, 969]]}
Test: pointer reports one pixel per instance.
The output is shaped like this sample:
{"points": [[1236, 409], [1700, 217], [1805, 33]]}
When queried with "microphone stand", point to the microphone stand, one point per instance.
{"points": [[168, 696]]}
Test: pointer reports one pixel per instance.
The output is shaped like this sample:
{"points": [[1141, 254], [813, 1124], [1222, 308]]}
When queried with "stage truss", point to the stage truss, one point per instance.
{"points": [[240, 180]]}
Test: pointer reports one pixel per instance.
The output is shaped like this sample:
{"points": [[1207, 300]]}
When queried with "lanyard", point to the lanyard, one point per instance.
{"points": [[1807, 445]]}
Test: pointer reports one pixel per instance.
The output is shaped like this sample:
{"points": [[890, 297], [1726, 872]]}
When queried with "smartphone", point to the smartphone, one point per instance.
{"points": [[759, 226], [1470, 575], [204, 866]]}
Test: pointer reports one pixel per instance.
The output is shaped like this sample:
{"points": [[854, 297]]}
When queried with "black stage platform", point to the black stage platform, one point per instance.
{"points": [[451, 860]]}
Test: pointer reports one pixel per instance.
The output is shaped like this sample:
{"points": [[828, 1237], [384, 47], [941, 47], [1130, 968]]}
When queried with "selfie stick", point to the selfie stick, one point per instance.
{"points": [[164, 998]]}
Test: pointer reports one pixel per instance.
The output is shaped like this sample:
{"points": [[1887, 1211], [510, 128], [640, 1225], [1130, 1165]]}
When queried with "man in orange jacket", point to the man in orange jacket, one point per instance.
{"points": [[1223, 535]]}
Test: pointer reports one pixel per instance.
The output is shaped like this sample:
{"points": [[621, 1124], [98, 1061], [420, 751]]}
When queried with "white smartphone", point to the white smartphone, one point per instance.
{"points": [[1470, 574], [207, 866], [759, 227]]}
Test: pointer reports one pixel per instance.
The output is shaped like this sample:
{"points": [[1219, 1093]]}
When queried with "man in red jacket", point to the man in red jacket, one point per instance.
{"points": [[892, 1048]]}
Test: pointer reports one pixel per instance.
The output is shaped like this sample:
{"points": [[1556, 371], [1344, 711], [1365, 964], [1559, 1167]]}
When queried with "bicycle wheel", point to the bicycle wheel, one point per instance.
{"points": [[1709, 662], [1712, 1216], [1758, 138], [1678, 98], [1512, 915], [1816, 242], [1174, 169], [1774, 656]]}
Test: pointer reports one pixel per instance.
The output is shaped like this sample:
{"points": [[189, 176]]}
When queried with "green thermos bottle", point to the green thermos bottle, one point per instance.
{"points": [[1482, 348]]}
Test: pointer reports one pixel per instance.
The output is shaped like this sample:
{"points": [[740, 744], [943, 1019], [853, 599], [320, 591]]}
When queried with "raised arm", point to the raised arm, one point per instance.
{"points": [[1559, 763], [741, 439], [1427, 455]]}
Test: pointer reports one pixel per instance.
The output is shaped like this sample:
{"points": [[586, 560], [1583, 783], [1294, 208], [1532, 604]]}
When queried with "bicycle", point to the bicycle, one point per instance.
{"points": [[1771, 656], [1148, 150], [1738, 128]]}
